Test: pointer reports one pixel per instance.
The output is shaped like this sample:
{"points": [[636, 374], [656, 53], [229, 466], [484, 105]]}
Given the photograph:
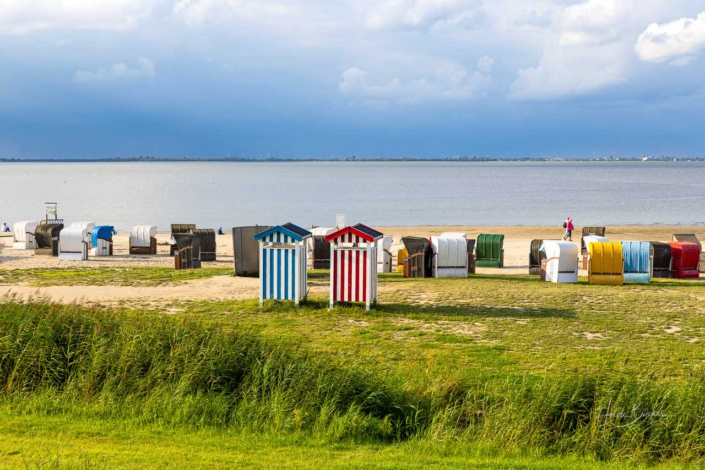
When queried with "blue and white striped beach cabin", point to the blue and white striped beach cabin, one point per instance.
{"points": [[282, 263]]}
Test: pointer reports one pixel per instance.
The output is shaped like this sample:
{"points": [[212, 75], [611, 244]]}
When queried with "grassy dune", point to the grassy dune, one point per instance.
{"points": [[487, 372]]}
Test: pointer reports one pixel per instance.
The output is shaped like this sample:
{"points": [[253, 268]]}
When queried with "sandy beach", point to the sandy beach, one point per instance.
{"points": [[516, 248]]}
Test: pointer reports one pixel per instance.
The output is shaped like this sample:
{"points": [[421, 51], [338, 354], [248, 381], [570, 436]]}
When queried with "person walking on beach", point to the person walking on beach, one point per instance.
{"points": [[568, 226], [4, 228]]}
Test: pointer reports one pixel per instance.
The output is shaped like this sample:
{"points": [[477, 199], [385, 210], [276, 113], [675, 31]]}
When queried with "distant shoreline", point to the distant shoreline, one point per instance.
{"points": [[350, 160]]}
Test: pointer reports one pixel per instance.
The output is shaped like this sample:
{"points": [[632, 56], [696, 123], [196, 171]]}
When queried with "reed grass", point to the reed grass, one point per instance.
{"points": [[92, 363]]}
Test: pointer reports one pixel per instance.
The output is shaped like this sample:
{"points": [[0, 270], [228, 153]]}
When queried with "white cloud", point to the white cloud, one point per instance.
{"points": [[682, 61], [485, 64], [197, 12], [589, 48], [661, 42], [419, 14], [593, 23], [120, 71], [449, 83], [28, 16], [568, 72]]}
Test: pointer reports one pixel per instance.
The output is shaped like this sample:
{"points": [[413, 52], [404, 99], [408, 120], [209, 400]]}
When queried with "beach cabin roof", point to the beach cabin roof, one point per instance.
{"points": [[103, 232], [290, 232], [356, 234], [20, 229]]}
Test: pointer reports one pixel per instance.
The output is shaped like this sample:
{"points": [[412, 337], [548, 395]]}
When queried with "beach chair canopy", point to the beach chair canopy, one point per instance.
{"points": [[419, 255], [590, 231], [450, 253], [606, 263], [140, 235], [182, 228], [319, 248], [207, 236], [684, 260], [87, 226], [637, 261], [185, 240], [384, 254], [454, 235], [559, 249], [46, 233], [662, 256], [102, 232], [599, 231], [321, 231], [21, 229], [534, 253], [687, 237], [561, 261], [594, 239], [415, 245], [73, 239], [488, 250]]}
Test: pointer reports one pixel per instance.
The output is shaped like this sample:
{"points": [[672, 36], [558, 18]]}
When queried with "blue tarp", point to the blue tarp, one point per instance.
{"points": [[637, 261], [104, 232]]}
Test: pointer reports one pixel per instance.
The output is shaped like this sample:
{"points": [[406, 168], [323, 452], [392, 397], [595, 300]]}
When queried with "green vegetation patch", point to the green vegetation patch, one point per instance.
{"points": [[147, 276], [91, 365]]}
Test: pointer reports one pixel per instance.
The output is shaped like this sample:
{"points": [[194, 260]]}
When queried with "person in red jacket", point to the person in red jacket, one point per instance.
{"points": [[568, 225]]}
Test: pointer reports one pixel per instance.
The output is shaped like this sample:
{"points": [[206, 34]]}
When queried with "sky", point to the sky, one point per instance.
{"points": [[371, 78]]}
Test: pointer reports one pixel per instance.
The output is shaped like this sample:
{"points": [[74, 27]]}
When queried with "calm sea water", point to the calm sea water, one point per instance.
{"points": [[232, 194]]}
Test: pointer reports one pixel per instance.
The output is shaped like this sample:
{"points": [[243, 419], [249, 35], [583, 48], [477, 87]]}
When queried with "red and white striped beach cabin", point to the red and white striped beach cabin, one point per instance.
{"points": [[353, 264]]}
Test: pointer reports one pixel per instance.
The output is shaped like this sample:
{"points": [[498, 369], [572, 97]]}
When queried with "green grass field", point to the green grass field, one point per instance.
{"points": [[488, 372]]}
